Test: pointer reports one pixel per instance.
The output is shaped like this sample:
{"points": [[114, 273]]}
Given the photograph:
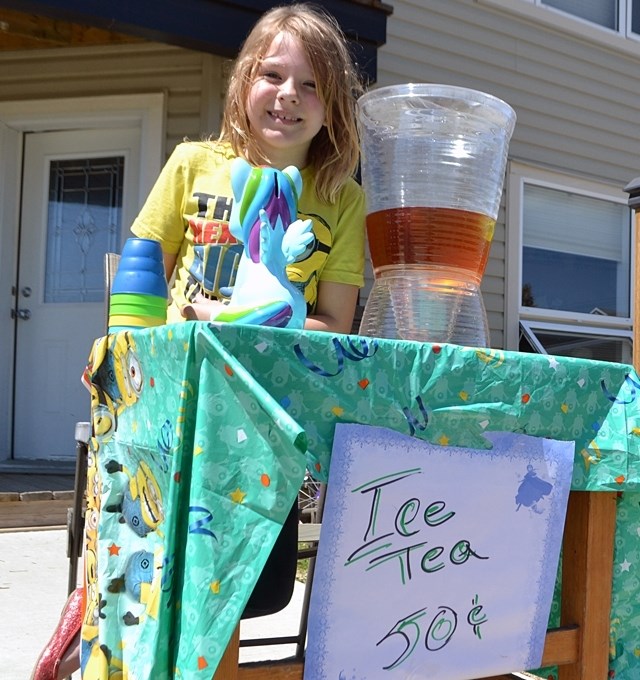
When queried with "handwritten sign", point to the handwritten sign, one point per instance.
{"points": [[436, 562]]}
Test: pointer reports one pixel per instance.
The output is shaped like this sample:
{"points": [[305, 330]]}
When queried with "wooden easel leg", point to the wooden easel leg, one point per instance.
{"points": [[228, 667], [587, 573]]}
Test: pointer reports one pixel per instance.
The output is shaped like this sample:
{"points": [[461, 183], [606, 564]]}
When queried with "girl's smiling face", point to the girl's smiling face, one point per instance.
{"points": [[283, 107]]}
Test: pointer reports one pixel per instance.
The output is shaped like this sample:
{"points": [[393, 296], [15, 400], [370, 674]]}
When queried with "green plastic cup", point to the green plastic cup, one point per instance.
{"points": [[150, 301]]}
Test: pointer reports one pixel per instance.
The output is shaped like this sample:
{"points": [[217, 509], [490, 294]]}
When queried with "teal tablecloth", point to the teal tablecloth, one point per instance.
{"points": [[202, 436]]}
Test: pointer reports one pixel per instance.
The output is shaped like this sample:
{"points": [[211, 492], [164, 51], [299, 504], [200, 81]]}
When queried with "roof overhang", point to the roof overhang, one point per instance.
{"points": [[215, 26]]}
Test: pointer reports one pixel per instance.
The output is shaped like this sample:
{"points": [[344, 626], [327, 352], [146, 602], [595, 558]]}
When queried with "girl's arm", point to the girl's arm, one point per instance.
{"points": [[169, 263], [335, 308]]}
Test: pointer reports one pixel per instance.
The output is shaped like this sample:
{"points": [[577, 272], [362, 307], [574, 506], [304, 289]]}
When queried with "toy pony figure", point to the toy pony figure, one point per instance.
{"points": [[264, 218]]}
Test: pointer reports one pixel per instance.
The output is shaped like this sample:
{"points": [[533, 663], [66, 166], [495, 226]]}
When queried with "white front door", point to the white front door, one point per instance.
{"points": [[79, 197]]}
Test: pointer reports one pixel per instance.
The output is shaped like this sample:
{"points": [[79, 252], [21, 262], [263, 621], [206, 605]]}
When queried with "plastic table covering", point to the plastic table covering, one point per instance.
{"points": [[203, 432]]}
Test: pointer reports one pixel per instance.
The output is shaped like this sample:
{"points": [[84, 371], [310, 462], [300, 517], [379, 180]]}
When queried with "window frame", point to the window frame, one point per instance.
{"points": [[548, 319]]}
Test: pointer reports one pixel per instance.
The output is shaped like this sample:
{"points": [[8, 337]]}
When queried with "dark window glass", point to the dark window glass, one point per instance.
{"points": [[83, 222], [602, 12], [570, 282]]}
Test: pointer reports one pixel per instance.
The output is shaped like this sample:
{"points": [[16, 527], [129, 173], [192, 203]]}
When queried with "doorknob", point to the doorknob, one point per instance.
{"points": [[21, 314]]}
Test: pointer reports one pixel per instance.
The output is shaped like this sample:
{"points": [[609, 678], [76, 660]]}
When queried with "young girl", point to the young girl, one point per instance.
{"points": [[291, 101]]}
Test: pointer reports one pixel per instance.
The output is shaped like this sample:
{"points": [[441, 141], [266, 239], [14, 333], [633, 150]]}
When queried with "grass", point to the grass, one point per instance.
{"points": [[303, 565]]}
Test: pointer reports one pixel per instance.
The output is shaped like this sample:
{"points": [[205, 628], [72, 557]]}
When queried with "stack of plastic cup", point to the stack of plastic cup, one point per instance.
{"points": [[139, 291]]}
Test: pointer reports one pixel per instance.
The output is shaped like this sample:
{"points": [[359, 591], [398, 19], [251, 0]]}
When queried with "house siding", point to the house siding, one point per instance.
{"points": [[191, 80], [576, 100]]}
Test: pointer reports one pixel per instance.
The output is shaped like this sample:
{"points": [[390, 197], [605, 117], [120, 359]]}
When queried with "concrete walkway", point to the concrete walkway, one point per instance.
{"points": [[33, 590]]}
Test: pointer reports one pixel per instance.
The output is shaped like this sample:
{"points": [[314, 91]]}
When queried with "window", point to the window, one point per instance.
{"points": [[84, 219], [584, 343], [602, 12], [622, 16], [603, 21], [575, 255]]}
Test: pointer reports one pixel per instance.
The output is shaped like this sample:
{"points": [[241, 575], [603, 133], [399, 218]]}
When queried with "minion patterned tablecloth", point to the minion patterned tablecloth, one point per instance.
{"points": [[202, 434]]}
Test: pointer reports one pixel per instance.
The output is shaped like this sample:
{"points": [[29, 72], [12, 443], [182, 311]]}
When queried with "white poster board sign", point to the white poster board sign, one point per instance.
{"points": [[436, 562]]}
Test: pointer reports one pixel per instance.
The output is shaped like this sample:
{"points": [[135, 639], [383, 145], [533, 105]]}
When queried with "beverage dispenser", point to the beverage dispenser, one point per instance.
{"points": [[433, 164]]}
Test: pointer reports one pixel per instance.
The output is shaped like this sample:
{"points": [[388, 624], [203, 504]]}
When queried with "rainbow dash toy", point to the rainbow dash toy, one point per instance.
{"points": [[264, 218]]}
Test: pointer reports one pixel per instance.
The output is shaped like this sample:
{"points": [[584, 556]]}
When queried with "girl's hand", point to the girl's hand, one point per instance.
{"points": [[335, 308], [201, 309]]}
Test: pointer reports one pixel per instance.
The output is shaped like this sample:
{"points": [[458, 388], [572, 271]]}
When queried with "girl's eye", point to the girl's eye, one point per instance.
{"points": [[271, 75], [310, 84]]}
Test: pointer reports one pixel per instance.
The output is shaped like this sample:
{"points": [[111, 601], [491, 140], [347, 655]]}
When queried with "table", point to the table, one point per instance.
{"points": [[202, 433]]}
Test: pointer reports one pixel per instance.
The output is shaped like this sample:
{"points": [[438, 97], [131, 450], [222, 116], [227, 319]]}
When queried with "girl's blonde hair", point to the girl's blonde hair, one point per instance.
{"points": [[334, 151]]}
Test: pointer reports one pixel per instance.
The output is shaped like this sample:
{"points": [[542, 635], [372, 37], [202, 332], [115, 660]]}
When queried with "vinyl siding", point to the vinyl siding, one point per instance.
{"points": [[577, 101], [191, 80]]}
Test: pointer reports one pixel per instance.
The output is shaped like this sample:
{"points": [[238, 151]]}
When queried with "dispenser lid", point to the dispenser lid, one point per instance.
{"points": [[633, 189]]}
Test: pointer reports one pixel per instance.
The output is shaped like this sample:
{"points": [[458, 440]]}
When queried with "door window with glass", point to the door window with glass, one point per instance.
{"points": [[83, 222], [575, 269]]}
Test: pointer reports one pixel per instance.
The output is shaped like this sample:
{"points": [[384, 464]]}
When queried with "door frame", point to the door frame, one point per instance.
{"points": [[146, 111]]}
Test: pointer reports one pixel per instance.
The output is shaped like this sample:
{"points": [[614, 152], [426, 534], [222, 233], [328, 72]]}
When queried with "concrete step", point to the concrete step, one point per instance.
{"points": [[19, 510], [37, 497]]}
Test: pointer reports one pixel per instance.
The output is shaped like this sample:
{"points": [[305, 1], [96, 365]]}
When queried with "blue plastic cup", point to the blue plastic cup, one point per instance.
{"points": [[141, 282], [141, 263], [141, 269], [142, 247]]}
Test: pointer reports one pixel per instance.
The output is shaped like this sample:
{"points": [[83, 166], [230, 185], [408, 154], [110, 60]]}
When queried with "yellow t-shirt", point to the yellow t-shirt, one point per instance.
{"points": [[188, 212]]}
